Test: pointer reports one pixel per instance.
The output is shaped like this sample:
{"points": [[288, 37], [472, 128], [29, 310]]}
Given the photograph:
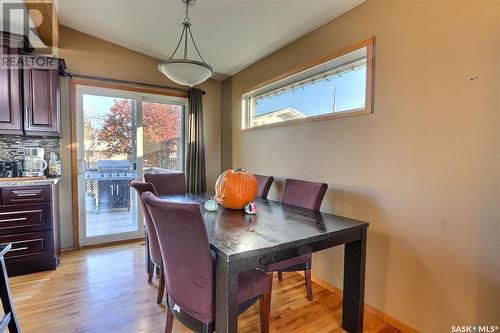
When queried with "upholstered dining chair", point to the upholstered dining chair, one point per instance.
{"points": [[304, 194], [189, 268], [167, 183], [155, 259], [263, 185]]}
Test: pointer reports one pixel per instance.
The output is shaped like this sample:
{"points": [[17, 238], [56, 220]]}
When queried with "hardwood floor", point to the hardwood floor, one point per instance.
{"points": [[105, 290]]}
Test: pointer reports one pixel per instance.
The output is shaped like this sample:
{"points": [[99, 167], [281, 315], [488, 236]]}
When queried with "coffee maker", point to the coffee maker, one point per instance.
{"points": [[34, 163], [10, 169]]}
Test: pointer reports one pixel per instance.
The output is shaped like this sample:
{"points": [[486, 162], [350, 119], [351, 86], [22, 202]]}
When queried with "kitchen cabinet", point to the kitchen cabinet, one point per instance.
{"points": [[41, 102], [29, 96], [10, 98], [29, 219]]}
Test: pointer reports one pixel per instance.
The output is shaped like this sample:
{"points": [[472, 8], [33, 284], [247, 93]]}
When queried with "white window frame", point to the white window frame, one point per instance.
{"points": [[317, 69]]}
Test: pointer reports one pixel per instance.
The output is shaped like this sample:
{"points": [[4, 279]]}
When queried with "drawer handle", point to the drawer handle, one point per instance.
{"points": [[24, 195], [19, 219], [19, 249], [22, 212]]}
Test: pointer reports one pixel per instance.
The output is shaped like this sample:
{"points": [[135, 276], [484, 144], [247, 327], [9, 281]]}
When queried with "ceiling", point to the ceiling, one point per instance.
{"points": [[231, 34]]}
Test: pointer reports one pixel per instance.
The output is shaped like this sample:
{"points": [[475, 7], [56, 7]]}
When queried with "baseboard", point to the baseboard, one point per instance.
{"points": [[112, 243], [368, 308]]}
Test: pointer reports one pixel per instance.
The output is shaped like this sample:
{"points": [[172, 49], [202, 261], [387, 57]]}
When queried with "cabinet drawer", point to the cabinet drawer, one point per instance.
{"points": [[29, 244], [17, 195], [25, 218]]}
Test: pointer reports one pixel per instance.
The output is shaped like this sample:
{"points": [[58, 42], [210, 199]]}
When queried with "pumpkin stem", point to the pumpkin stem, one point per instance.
{"points": [[238, 169]]}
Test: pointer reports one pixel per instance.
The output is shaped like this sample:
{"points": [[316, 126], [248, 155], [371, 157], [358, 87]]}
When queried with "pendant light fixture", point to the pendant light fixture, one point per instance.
{"points": [[185, 71]]}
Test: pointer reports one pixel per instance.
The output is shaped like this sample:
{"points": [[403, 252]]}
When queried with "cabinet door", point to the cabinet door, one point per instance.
{"points": [[41, 102], [10, 100]]}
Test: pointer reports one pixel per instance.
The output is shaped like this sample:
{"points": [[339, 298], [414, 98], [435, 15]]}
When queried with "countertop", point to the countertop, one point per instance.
{"points": [[13, 182]]}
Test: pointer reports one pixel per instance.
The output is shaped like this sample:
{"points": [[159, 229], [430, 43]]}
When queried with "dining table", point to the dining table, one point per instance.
{"points": [[277, 232]]}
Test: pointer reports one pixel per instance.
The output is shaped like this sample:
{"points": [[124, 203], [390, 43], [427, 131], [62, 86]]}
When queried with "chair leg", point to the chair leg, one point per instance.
{"points": [[206, 329], [157, 271], [170, 321], [307, 276], [161, 288], [280, 276], [150, 271], [265, 312]]}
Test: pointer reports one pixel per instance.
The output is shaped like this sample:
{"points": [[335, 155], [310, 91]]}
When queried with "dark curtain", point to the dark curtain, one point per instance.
{"points": [[195, 150]]}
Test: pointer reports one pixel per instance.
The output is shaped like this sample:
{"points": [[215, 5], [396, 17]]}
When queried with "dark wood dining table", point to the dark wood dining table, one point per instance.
{"points": [[277, 232]]}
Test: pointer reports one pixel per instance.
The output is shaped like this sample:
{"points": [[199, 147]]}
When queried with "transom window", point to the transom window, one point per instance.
{"points": [[334, 87]]}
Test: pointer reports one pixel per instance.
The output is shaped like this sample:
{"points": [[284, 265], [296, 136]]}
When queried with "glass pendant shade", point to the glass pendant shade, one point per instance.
{"points": [[185, 71]]}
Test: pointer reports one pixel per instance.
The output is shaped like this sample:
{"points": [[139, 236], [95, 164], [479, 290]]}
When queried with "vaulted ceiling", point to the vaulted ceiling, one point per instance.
{"points": [[231, 34]]}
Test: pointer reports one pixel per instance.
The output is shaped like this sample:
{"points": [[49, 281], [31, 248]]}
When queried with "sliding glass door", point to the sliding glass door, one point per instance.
{"points": [[121, 135], [162, 136]]}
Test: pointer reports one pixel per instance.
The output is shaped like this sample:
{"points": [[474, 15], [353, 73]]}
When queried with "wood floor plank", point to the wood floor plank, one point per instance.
{"points": [[105, 289]]}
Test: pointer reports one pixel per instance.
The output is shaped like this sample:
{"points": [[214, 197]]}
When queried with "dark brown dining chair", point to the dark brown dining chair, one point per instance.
{"points": [[189, 268], [167, 183], [155, 259], [304, 194], [263, 185]]}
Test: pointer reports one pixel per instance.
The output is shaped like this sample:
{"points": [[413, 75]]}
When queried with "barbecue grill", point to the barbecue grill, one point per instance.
{"points": [[108, 183]]}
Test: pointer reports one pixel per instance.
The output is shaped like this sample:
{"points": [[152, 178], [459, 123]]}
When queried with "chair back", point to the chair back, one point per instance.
{"points": [[167, 183], [154, 247], [302, 193], [263, 185], [186, 255]]}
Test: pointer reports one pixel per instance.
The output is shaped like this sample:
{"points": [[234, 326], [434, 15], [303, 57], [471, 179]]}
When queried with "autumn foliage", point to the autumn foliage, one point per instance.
{"points": [[161, 130]]}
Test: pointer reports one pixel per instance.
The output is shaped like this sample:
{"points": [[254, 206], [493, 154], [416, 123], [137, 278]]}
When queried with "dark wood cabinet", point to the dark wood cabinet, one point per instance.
{"points": [[19, 195], [41, 102], [10, 99], [29, 219], [34, 218], [29, 97]]}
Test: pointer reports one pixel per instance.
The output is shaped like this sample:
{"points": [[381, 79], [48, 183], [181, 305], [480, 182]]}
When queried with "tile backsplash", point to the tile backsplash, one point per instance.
{"points": [[12, 146]]}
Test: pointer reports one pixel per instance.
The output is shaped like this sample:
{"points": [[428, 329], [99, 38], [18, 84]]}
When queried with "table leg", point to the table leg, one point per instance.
{"points": [[6, 297], [226, 297], [354, 284]]}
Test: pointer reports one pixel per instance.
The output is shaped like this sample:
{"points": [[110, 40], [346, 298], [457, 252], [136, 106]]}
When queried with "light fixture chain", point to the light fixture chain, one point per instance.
{"points": [[186, 24], [186, 18]]}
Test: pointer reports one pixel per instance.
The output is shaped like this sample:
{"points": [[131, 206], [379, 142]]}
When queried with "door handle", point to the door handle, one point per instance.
{"points": [[81, 165]]}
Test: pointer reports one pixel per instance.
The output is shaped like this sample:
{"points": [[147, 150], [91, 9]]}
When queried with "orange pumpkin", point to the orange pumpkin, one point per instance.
{"points": [[235, 188]]}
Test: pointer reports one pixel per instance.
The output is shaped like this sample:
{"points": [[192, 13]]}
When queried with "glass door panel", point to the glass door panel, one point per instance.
{"points": [[162, 132], [121, 135], [107, 129]]}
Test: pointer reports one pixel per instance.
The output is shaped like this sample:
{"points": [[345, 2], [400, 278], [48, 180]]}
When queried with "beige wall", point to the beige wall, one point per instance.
{"points": [[88, 55], [423, 169]]}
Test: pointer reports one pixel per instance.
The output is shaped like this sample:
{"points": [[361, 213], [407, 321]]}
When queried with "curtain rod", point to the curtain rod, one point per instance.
{"points": [[92, 77]]}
